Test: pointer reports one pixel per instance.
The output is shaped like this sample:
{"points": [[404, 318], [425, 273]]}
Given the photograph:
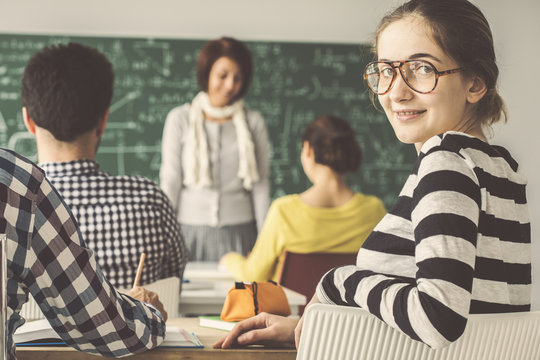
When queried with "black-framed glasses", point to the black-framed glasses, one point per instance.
{"points": [[420, 75]]}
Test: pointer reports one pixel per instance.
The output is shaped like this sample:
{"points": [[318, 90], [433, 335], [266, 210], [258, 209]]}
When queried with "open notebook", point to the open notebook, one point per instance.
{"points": [[40, 333], [167, 289]]}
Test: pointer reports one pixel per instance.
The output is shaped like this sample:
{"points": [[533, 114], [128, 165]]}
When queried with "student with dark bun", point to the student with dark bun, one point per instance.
{"points": [[215, 161], [327, 217]]}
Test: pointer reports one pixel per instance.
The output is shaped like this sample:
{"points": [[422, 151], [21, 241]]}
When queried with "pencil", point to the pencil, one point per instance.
{"points": [[139, 270]]}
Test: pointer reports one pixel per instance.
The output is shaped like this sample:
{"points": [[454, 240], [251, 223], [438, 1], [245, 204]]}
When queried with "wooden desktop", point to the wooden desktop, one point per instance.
{"points": [[207, 336], [203, 293], [206, 286]]}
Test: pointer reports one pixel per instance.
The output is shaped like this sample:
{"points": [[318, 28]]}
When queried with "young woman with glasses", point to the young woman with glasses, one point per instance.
{"points": [[457, 242]]}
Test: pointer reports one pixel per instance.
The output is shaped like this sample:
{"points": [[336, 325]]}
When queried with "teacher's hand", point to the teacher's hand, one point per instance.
{"points": [[264, 329]]}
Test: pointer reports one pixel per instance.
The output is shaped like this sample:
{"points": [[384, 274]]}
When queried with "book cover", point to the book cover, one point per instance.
{"points": [[176, 337], [36, 332], [215, 322], [40, 333]]}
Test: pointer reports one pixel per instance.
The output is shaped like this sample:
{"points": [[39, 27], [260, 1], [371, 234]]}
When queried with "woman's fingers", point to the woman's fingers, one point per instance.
{"points": [[240, 328], [261, 329], [256, 336]]}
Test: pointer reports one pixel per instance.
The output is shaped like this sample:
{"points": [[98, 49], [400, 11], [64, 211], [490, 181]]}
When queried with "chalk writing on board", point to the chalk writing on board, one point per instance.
{"points": [[292, 84]]}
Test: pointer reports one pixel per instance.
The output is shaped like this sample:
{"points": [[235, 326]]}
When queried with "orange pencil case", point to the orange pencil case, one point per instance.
{"points": [[245, 300]]}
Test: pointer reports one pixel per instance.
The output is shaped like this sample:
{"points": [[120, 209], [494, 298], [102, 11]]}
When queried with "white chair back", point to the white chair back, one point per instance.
{"points": [[345, 333]]}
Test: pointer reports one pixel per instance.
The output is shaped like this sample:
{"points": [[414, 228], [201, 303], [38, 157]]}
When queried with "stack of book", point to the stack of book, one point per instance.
{"points": [[40, 333], [215, 322]]}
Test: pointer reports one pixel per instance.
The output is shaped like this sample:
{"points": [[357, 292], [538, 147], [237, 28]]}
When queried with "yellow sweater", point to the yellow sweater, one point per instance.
{"points": [[292, 225]]}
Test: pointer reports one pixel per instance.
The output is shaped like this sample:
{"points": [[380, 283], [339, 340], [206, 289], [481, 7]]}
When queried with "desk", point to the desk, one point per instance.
{"points": [[206, 271], [207, 336], [210, 301], [207, 287]]}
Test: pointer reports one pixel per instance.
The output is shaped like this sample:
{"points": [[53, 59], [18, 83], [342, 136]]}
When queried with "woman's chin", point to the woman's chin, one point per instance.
{"points": [[407, 138]]}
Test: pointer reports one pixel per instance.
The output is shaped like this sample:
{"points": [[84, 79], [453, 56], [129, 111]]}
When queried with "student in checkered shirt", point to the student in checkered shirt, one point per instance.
{"points": [[66, 93], [47, 258]]}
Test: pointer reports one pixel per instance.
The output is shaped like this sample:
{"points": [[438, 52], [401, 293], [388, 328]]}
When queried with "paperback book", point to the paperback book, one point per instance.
{"points": [[40, 333], [215, 322]]}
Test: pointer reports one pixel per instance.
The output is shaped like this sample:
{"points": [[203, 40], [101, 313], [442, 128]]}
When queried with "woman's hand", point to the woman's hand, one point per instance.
{"points": [[298, 329], [261, 329], [147, 296]]}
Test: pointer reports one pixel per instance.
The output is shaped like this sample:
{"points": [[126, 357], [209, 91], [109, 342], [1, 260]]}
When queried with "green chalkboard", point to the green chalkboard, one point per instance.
{"points": [[292, 84]]}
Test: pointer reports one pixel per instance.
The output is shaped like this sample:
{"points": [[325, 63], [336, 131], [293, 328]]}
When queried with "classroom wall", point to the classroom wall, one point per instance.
{"points": [[514, 23]]}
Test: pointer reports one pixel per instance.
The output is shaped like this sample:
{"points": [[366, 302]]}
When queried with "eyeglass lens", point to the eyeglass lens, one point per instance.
{"points": [[418, 74]]}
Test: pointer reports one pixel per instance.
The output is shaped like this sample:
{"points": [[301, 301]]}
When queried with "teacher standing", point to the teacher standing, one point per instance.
{"points": [[215, 161]]}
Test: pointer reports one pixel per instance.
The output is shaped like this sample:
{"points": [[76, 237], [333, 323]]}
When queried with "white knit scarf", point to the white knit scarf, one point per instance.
{"points": [[197, 164]]}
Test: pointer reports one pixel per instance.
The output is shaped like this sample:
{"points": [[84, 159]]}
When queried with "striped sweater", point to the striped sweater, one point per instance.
{"points": [[457, 242]]}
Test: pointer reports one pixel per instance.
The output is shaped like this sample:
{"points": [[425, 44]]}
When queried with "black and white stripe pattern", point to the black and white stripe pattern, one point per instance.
{"points": [[121, 217], [457, 242]]}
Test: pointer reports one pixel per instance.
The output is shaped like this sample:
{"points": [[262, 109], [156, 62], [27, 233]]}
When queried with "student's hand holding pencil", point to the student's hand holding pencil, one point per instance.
{"points": [[150, 297], [147, 296]]}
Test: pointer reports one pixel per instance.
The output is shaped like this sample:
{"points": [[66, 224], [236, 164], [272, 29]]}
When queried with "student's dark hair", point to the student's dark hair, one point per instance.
{"points": [[66, 89], [224, 47], [463, 33], [334, 144]]}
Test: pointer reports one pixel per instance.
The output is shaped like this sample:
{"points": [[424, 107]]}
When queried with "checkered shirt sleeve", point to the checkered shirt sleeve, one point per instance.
{"points": [[47, 258]]}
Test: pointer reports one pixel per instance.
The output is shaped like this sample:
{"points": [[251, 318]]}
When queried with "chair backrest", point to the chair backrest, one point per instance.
{"points": [[302, 272], [167, 289], [346, 333]]}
